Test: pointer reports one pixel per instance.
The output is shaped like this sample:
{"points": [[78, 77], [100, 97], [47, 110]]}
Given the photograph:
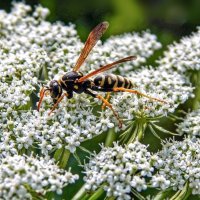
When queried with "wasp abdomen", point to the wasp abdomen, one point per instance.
{"points": [[112, 81]]}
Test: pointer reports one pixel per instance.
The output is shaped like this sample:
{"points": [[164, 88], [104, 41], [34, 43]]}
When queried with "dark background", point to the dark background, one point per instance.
{"points": [[168, 19]]}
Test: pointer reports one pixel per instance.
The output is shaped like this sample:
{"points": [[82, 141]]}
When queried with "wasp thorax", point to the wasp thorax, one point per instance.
{"points": [[72, 76], [55, 89]]}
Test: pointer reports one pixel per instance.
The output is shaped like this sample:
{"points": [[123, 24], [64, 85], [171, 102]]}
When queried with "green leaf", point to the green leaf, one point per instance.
{"points": [[85, 150], [77, 158], [154, 132], [163, 130]]}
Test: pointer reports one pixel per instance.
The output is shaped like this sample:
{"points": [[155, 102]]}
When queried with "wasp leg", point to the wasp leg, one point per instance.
{"points": [[106, 104], [57, 102], [121, 89], [43, 92], [107, 99]]}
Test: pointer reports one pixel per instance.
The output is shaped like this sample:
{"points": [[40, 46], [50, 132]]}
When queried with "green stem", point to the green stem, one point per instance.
{"points": [[125, 135], [182, 194], [62, 156], [80, 194], [65, 158], [97, 194], [137, 194], [196, 83], [134, 134], [110, 138], [86, 197], [77, 158], [163, 194], [140, 126]]}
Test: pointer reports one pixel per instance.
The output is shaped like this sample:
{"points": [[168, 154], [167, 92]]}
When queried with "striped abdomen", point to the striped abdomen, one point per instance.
{"points": [[112, 81]]}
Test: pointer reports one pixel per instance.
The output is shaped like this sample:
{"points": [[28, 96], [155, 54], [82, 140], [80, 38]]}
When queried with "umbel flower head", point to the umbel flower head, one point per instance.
{"points": [[49, 133], [190, 124], [179, 165], [183, 56], [21, 175], [28, 45], [119, 169]]}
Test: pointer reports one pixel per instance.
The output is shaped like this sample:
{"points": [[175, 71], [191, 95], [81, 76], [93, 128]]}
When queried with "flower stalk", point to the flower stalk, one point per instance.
{"points": [[81, 194], [111, 137], [139, 130], [182, 194], [97, 194], [62, 156]]}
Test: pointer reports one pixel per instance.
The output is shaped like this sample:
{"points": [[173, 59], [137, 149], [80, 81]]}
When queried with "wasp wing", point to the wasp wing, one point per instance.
{"points": [[92, 39], [106, 67]]}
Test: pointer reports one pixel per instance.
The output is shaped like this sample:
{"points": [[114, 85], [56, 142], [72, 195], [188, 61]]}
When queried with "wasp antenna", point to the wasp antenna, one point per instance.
{"points": [[42, 92], [130, 58], [105, 24]]}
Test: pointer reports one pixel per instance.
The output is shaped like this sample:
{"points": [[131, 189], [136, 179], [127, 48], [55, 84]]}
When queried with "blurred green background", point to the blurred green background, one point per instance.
{"points": [[168, 19]]}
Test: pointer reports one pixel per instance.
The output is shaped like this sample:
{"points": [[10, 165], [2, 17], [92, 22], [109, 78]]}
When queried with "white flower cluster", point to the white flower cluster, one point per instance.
{"points": [[190, 124], [59, 43], [48, 133], [117, 170], [18, 74], [158, 83], [183, 56], [29, 43], [20, 58], [179, 164], [20, 175]]}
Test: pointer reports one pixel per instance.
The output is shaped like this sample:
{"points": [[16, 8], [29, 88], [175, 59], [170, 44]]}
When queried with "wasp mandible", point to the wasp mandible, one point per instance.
{"points": [[75, 81]]}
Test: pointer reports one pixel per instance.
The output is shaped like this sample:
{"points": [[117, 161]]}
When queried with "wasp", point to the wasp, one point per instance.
{"points": [[75, 81]]}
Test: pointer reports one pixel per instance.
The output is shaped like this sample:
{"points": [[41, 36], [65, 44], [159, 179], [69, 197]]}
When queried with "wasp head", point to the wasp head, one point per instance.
{"points": [[54, 90]]}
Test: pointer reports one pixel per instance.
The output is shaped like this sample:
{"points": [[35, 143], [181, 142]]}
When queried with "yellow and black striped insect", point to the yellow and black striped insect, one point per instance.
{"points": [[75, 81]]}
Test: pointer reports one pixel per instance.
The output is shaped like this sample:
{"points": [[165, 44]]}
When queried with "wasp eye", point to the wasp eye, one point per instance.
{"points": [[65, 78]]}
